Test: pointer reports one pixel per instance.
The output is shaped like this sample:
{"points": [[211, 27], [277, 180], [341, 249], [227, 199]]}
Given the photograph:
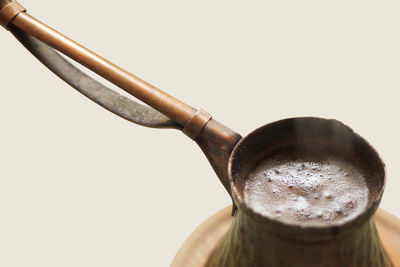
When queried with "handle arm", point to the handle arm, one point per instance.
{"points": [[216, 140], [14, 14], [89, 87]]}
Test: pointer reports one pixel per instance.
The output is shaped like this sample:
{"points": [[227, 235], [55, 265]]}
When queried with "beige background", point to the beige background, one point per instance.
{"points": [[82, 187]]}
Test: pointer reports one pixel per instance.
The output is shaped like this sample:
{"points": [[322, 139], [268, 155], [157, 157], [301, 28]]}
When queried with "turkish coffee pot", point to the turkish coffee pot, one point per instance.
{"points": [[240, 236]]}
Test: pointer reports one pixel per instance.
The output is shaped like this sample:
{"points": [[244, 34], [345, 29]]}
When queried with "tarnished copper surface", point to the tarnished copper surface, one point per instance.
{"points": [[258, 240], [216, 140], [245, 245], [197, 248], [253, 239]]}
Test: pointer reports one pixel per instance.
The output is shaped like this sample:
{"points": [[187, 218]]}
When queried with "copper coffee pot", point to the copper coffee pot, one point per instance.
{"points": [[252, 239]]}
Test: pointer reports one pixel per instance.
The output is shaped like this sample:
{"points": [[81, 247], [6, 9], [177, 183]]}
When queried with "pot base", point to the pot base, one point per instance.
{"points": [[198, 246]]}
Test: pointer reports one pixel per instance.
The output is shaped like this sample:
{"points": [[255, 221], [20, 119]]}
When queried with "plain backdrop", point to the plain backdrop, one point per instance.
{"points": [[80, 186]]}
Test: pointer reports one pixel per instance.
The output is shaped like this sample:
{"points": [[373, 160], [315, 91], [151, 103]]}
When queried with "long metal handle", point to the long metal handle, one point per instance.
{"points": [[149, 94], [216, 140]]}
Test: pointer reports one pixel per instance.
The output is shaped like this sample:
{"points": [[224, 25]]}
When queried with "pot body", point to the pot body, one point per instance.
{"points": [[246, 245], [258, 240]]}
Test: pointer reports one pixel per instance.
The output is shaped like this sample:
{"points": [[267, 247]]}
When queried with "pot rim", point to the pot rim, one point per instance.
{"points": [[298, 231]]}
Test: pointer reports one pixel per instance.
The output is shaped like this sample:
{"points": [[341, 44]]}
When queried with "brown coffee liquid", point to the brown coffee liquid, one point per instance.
{"points": [[305, 192]]}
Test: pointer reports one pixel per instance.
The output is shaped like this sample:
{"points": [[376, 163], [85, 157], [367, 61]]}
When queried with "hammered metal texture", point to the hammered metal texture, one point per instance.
{"points": [[245, 246]]}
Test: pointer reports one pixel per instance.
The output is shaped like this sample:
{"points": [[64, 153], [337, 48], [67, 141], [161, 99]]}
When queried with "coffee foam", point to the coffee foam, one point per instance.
{"points": [[306, 192]]}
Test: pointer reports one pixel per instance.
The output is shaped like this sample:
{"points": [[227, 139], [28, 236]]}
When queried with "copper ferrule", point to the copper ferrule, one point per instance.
{"points": [[8, 11]]}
